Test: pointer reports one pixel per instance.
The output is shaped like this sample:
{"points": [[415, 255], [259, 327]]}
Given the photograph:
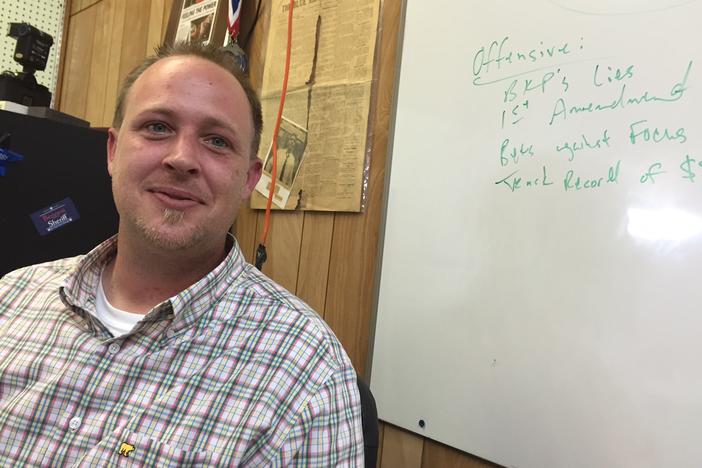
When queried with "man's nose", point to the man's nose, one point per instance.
{"points": [[183, 156]]}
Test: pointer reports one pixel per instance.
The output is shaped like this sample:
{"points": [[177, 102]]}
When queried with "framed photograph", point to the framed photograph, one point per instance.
{"points": [[197, 20], [292, 143]]}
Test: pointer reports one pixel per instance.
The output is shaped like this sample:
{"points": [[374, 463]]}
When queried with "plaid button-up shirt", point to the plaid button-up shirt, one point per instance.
{"points": [[232, 371]]}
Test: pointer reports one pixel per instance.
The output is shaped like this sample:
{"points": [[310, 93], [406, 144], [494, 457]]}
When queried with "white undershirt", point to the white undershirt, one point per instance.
{"points": [[119, 322]]}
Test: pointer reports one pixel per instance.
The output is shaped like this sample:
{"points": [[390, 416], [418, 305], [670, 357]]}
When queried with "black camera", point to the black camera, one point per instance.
{"points": [[32, 52]]}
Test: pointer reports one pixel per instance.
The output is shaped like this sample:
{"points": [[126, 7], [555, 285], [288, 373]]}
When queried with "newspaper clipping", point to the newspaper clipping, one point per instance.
{"points": [[196, 20], [322, 141]]}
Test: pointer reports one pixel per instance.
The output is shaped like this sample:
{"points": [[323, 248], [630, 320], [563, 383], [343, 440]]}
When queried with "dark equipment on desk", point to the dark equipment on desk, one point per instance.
{"points": [[59, 161], [32, 52]]}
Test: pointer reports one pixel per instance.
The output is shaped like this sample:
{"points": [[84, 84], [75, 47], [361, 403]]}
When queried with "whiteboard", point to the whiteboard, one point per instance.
{"points": [[541, 272]]}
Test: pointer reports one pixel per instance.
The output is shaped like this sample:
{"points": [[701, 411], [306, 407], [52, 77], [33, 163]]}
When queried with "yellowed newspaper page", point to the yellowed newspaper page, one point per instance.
{"points": [[322, 139]]}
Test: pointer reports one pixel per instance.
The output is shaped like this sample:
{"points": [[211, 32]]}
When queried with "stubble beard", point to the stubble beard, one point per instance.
{"points": [[166, 234]]}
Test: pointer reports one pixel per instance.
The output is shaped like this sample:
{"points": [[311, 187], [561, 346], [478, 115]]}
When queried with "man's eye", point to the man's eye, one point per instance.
{"points": [[157, 127], [218, 142]]}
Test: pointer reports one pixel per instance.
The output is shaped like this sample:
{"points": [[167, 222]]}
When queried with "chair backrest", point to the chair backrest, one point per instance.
{"points": [[371, 427]]}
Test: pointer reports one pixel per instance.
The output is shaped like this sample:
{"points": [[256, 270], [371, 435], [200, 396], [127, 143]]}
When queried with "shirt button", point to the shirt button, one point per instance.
{"points": [[113, 348], [74, 423], [170, 333]]}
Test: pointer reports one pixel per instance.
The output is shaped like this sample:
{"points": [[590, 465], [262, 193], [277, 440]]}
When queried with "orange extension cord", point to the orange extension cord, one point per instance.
{"points": [[261, 250]]}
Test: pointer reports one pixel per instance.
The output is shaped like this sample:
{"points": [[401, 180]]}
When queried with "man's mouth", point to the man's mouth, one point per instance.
{"points": [[175, 198]]}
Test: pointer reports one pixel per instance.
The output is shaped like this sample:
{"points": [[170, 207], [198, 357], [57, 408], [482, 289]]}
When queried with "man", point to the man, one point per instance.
{"points": [[162, 347]]}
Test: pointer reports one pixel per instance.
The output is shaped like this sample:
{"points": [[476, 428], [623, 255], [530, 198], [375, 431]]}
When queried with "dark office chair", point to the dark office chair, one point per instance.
{"points": [[369, 420]]}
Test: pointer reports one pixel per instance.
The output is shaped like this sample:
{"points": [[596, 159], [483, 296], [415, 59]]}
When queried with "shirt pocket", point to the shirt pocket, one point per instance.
{"points": [[134, 449]]}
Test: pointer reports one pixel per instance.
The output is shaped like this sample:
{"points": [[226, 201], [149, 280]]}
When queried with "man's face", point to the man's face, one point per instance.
{"points": [[180, 163]]}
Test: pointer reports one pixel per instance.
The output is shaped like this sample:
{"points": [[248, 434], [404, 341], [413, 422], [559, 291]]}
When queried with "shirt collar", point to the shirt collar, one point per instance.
{"points": [[80, 287], [190, 304]]}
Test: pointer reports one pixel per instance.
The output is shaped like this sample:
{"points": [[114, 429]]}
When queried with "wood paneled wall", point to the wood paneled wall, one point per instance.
{"points": [[328, 259]]}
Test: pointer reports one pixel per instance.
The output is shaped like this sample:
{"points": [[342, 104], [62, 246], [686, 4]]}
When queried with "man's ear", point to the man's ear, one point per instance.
{"points": [[253, 174], [111, 147]]}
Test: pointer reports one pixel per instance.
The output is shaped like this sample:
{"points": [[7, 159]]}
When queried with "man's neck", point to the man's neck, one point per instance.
{"points": [[138, 279]]}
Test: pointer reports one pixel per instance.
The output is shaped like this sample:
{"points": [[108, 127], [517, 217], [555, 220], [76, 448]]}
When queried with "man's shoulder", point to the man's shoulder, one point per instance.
{"points": [[272, 306], [34, 284], [39, 274]]}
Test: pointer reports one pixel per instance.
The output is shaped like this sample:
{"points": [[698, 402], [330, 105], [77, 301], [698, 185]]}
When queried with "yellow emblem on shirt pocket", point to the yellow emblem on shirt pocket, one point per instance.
{"points": [[125, 449]]}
